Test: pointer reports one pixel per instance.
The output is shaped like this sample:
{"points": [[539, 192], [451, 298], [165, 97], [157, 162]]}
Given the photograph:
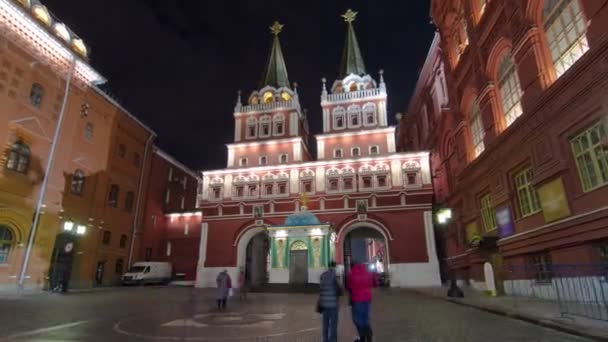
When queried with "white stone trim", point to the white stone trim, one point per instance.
{"points": [[204, 193], [228, 185], [396, 173], [293, 124], [297, 152], [425, 169], [294, 182], [231, 158], [429, 232], [390, 142], [320, 178], [321, 149], [326, 120], [382, 120], [237, 130], [390, 129]]}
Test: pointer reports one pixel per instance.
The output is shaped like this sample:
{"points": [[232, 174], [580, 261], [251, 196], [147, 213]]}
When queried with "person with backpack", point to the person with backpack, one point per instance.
{"points": [[329, 303]]}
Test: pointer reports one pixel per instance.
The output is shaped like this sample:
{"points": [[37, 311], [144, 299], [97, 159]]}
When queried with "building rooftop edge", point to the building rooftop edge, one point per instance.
{"points": [[174, 161]]}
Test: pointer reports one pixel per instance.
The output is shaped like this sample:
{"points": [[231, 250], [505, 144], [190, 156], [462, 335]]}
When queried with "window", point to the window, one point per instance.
{"points": [[36, 95], [263, 160], [243, 161], [252, 190], [268, 189], [374, 150], [366, 182], [338, 114], [283, 158], [77, 183], [239, 191], [251, 131], [279, 125], [411, 178], [591, 154], [265, 126], [542, 268], [282, 188], [348, 183], [565, 30], [333, 184], [136, 159], [167, 196], [509, 88], [381, 180], [487, 213], [477, 131], [268, 97], [107, 236], [18, 157], [338, 153], [354, 116], [279, 128], [121, 151], [354, 120], [355, 152], [307, 186], [118, 269], [369, 114], [526, 194], [88, 131], [217, 193], [6, 243], [129, 201], [123, 241], [113, 196]]}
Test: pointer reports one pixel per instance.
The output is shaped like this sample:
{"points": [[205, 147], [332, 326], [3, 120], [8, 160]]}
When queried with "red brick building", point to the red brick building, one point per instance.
{"points": [[170, 231], [519, 144], [359, 199]]}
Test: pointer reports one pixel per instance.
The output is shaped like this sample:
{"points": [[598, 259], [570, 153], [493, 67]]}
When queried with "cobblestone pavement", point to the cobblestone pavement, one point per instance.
{"points": [[186, 314]]}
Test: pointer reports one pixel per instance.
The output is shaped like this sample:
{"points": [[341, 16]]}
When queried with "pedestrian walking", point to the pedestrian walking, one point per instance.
{"points": [[329, 303], [224, 284], [360, 283], [243, 289]]}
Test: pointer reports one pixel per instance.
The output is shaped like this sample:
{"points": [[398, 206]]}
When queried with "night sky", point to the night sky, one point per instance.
{"points": [[177, 64]]}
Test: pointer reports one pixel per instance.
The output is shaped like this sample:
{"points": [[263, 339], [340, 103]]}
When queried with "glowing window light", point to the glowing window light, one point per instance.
{"points": [[68, 226], [281, 234], [41, 13], [79, 46], [62, 31], [268, 97], [81, 229], [285, 96]]}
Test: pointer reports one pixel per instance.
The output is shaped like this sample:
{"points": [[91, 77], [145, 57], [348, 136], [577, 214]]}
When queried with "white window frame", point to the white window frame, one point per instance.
{"points": [[212, 193], [374, 112], [312, 185], [280, 118], [336, 113], [354, 111], [265, 158], [286, 155], [341, 153], [352, 151], [374, 154], [251, 122], [509, 89], [263, 122], [387, 185], [246, 163]]}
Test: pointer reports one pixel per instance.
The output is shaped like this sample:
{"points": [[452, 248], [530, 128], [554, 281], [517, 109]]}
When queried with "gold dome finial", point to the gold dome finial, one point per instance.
{"points": [[350, 16], [276, 28]]}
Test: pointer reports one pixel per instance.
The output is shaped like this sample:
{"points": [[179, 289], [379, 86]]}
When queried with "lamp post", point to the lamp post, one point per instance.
{"points": [[45, 180]]}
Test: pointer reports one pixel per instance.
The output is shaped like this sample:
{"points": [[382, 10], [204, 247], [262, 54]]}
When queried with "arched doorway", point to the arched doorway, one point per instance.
{"points": [[257, 260], [298, 263], [61, 262], [366, 245]]}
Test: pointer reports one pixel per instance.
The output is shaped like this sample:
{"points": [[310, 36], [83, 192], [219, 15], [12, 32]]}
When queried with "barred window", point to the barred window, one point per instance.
{"points": [[565, 29], [591, 154], [487, 213], [526, 194], [510, 89], [542, 268]]}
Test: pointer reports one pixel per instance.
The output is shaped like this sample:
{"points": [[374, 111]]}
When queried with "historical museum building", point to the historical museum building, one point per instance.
{"points": [[511, 104], [91, 212], [280, 215]]}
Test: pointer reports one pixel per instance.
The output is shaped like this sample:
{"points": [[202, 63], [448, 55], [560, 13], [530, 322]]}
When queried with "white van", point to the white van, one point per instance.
{"points": [[148, 272]]}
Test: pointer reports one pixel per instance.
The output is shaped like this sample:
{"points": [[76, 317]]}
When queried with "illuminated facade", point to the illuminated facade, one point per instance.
{"points": [[90, 213], [519, 142], [279, 215]]}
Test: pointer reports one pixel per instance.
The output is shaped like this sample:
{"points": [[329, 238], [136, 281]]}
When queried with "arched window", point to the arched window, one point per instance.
{"points": [[477, 131], [36, 95], [18, 157], [279, 124], [6, 242], [268, 97], [369, 114], [251, 128], [353, 87], [285, 96], [119, 266], [283, 158], [129, 201], [338, 153], [374, 150], [123, 241], [338, 115], [565, 29], [265, 126], [510, 89], [354, 116], [77, 182], [355, 152]]}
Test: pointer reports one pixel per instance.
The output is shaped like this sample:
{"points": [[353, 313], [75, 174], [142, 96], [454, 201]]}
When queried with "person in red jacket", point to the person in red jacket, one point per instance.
{"points": [[360, 283]]}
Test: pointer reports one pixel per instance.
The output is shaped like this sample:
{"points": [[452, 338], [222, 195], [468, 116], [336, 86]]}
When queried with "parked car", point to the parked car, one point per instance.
{"points": [[148, 273]]}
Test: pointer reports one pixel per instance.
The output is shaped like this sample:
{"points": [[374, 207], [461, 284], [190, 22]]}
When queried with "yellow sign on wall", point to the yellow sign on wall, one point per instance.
{"points": [[553, 200], [472, 232]]}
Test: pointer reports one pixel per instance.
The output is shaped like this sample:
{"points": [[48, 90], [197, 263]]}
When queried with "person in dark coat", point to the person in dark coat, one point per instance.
{"points": [[329, 303]]}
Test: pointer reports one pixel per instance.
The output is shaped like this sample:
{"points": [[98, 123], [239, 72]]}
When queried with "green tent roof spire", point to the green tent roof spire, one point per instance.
{"points": [[352, 60], [275, 73]]}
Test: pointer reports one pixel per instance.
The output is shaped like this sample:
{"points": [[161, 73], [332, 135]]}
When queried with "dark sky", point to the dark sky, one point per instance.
{"points": [[177, 64]]}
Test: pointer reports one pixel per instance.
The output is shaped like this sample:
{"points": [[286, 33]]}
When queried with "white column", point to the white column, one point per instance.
{"points": [[326, 120], [237, 130], [430, 236], [425, 169], [294, 176], [228, 186], [293, 124], [320, 178], [382, 113], [205, 194], [321, 149], [202, 247], [390, 142], [297, 151], [396, 173], [230, 157]]}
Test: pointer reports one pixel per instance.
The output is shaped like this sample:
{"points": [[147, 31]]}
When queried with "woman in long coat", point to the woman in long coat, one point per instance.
{"points": [[224, 284]]}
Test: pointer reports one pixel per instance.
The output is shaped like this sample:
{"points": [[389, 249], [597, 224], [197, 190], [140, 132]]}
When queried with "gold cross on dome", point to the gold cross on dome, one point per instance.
{"points": [[304, 199], [276, 28], [350, 16]]}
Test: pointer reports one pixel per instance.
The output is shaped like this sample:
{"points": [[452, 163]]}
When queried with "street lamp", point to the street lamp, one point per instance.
{"points": [[444, 215]]}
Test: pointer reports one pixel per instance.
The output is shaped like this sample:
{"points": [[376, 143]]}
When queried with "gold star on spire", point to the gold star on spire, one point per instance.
{"points": [[276, 28], [350, 16]]}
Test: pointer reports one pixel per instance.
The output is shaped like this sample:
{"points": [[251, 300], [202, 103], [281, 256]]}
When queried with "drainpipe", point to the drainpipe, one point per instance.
{"points": [[45, 180], [139, 191]]}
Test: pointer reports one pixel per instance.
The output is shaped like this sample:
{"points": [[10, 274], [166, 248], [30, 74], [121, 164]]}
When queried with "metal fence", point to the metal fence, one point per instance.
{"points": [[578, 289]]}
